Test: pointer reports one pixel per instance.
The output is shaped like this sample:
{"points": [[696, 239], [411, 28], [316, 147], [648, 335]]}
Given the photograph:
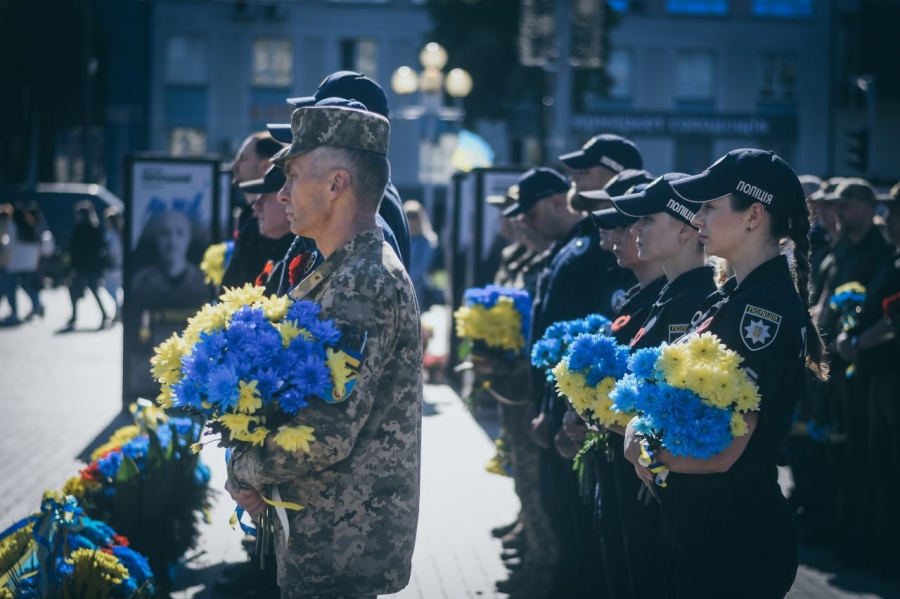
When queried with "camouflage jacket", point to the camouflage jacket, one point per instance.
{"points": [[359, 484]]}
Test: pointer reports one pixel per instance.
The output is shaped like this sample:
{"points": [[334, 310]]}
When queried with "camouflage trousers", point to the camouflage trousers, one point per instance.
{"points": [[542, 546]]}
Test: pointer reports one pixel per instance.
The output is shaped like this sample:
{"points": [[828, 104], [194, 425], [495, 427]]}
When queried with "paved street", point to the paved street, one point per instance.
{"points": [[61, 394]]}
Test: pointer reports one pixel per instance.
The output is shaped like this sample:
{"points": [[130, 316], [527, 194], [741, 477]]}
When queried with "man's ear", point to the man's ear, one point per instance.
{"points": [[340, 181]]}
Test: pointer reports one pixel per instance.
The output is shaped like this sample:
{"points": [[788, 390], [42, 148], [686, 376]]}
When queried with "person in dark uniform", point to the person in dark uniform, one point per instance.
{"points": [[874, 349], [602, 158], [734, 533], [568, 287], [251, 249], [608, 498], [273, 224], [664, 237]]}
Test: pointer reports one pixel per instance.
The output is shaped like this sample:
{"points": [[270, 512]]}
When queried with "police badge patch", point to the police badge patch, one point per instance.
{"points": [[759, 327]]}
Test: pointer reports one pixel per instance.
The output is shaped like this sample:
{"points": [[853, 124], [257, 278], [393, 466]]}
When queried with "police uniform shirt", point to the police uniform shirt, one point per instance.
{"points": [[391, 212], [638, 303], [764, 321], [250, 253], [359, 483], [681, 303]]}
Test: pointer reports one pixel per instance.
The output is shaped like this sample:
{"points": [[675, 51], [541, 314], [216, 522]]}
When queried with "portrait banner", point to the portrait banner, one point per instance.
{"points": [[173, 213]]}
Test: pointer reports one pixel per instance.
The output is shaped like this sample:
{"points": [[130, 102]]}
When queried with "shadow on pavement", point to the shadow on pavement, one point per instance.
{"points": [[123, 418]]}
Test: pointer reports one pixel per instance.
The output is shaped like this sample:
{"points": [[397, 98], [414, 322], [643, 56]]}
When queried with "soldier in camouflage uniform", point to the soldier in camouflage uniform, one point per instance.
{"points": [[359, 483]]}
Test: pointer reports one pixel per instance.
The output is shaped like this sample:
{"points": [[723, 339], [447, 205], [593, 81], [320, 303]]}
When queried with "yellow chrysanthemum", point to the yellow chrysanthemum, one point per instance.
{"points": [[166, 362], [117, 439], [236, 297], [746, 397], [239, 428], [292, 438], [213, 263], [78, 487], [340, 372], [290, 331], [210, 318], [499, 326], [574, 386], [13, 546], [738, 425], [5, 593], [671, 360], [275, 307], [249, 399], [165, 397], [602, 410], [96, 570]]}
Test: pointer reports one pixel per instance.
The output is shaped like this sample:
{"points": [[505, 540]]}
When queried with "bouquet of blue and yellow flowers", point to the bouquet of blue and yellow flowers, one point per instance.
{"points": [[494, 320], [586, 374], [848, 301], [215, 261], [547, 352], [61, 552], [147, 483], [249, 365], [690, 398]]}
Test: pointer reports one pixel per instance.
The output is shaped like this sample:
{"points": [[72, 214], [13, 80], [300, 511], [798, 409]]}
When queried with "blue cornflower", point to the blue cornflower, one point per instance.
{"points": [[312, 377], [202, 474], [643, 362], [222, 387], [61, 570], [109, 464], [324, 331], [137, 565], [98, 532], [546, 353], [291, 400], [137, 448], [304, 312]]}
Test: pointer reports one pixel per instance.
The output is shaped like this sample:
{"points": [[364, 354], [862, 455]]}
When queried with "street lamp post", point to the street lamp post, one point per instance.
{"points": [[430, 81]]}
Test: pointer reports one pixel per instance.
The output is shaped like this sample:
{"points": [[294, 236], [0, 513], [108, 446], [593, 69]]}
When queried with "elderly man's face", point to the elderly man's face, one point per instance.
{"points": [[303, 197]]}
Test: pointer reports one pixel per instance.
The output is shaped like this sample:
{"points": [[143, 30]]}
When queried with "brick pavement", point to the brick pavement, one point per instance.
{"points": [[61, 393]]}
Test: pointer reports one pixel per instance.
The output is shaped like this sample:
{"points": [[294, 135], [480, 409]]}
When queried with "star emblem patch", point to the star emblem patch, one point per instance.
{"points": [[759, 327]]}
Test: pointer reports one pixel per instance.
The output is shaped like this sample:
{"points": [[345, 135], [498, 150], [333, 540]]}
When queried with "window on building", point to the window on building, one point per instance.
{"points": [[620, 68], [186, 60], [273, 63], [187, 141], [360, 55], [697, 7], [777, 77], [695, 76], [788, 9]]}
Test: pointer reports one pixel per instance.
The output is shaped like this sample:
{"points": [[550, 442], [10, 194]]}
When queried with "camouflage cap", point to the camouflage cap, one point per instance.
{"points": [[337, 127]]}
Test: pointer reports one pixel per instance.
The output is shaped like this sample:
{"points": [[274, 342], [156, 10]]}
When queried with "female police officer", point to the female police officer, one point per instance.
{"points": [[733, 531], [664, 237]]}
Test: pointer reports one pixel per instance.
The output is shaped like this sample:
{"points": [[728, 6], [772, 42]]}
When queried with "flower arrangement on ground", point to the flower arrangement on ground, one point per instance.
{"points": [[60, 552], [493, 320], [148, 484], [215, 261], [690, 398], [547, 352], [586, 374]]}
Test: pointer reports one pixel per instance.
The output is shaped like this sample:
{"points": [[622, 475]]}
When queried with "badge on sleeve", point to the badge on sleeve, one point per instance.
{"points": [[759, 327], [619, 297], [345, 364]]}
